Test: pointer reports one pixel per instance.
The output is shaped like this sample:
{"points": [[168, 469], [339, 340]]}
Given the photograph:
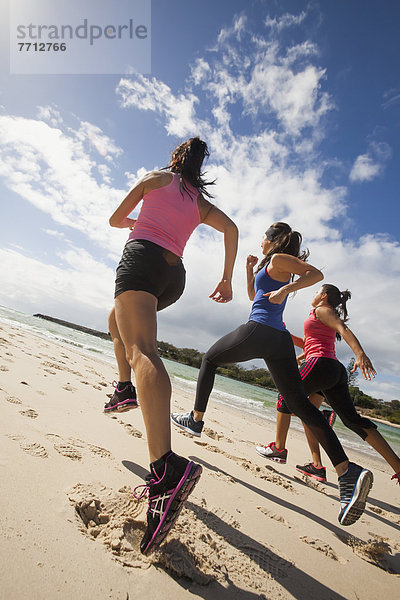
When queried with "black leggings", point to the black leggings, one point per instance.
{"points": [[254, 340], [327, 375]]}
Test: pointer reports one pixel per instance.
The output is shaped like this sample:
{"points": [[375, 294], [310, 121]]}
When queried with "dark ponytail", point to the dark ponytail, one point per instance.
{"points": [[284, 241], [337, 300], [187, 160]]}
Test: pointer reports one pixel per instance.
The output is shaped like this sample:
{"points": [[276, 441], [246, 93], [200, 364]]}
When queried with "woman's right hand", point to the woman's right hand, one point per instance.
{"points": [[363, 363], [223, 292], [251, 261]]}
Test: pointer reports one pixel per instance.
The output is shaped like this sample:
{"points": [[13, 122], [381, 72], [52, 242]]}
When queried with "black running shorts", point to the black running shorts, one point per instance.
{"points": [[147, 267]]}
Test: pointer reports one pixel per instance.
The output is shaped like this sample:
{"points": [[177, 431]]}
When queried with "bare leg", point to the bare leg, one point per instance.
{"points": [[282, 428], [379, 443], [136, 317], [197, 415], [124, 368]]}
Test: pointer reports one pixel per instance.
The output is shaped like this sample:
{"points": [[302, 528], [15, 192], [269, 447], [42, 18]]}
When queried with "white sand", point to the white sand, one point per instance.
{"points": [[250, 529]]}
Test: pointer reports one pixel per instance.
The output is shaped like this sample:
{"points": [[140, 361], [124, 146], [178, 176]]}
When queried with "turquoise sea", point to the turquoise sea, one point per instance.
{"points": [[245, 397]]}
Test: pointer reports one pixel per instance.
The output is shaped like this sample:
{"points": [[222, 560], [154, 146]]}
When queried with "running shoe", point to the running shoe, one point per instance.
{"points": [[122, 399], [354, 487], [329, 415], [318, 473], [272, 452], [173, 479], [187, 423], [396, 477]]}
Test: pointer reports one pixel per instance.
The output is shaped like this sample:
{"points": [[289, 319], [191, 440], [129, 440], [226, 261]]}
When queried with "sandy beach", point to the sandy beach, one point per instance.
{"points": [[70, 527]]}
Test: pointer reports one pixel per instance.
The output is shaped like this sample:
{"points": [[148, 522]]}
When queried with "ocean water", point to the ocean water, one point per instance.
{"points": [[247, 398]]}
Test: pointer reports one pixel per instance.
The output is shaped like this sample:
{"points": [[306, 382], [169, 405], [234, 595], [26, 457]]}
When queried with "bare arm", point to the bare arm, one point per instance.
{"points": [[151, 181], [297, 341], [284, 265], [250, 264], [328, 317], [215, 218]]}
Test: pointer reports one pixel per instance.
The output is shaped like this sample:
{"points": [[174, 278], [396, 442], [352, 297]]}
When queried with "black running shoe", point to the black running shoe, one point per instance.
{"points": [[173, 479], [318, 473], [329, 415], [187, 423], [122, 399], [354, 487]]}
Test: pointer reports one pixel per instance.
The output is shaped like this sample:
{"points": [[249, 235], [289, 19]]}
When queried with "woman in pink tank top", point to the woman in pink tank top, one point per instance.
{"points": [[322, 372], [150, 277]]}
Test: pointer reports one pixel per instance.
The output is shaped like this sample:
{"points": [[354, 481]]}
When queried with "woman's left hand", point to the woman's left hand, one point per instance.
{"points": [[276, 297], [363, 363], [223, 292]]}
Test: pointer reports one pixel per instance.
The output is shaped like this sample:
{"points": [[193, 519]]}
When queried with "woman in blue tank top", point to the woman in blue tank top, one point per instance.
{"points": [[265, 336]]}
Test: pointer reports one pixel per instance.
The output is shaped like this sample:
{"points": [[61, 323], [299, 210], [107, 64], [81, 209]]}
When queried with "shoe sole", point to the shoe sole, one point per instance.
{"points": [[356, 506], [184, 488], [121, 408], [282, 461], [322, 479], [187, 429]]}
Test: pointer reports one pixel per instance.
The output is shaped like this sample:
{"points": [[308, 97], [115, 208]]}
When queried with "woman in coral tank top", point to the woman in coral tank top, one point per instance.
{"points": [[322, 372], [150, 277]]}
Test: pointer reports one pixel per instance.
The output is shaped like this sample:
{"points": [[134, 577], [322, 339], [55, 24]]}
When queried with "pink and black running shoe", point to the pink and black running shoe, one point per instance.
{"points": [[173, 479], [318, 473], [122, 399]]}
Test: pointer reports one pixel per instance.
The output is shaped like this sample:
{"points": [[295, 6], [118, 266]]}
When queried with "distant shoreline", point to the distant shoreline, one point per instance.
{"points": [[100, 334]]}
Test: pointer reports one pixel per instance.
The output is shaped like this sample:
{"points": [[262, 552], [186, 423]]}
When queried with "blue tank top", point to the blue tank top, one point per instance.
{"points": [[263, 311]]}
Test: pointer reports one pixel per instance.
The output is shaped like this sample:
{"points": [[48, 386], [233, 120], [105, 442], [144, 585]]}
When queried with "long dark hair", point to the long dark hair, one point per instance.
{"points": [[337, 300], [187, 160], [284, 241]]}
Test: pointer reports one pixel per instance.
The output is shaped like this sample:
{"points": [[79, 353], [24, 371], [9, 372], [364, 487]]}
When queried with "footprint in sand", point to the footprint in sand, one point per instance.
{"points": [[68, 451], [13, 400], [114, 518], [34, 449], [69, 388], [99, 451], [69, 447], [63, 447], [274, 516], [272, 477], [201, 541], [377, 552], [305, 480], [324, 548], [32, 414], [216, 436], [131, 430], [4, 368]]}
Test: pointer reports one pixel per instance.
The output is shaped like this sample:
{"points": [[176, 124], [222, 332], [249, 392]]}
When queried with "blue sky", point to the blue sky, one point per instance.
{"points": [[300, 104]]}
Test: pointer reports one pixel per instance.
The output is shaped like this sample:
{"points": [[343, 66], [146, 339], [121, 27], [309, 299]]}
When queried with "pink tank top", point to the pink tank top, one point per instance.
{"points": [[319, 338], [168, 216]]}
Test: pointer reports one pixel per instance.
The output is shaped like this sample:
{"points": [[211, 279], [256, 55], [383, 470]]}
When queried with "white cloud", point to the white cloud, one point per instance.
{"points": [[53, 170], [285, 21], [372, 164], [79, 285], [151, 94], [102, 143], [50, 114]]}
